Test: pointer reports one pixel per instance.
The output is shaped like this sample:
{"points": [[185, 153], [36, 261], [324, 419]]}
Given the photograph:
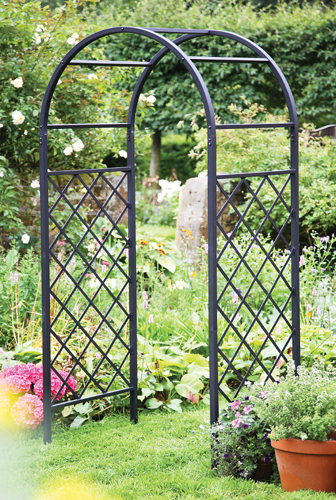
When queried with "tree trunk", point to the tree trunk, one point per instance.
{"points": [[154, 168]]}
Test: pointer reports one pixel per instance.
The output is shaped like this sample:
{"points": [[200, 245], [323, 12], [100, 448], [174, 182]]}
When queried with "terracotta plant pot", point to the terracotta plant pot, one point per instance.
{"points": [[306, 464]]}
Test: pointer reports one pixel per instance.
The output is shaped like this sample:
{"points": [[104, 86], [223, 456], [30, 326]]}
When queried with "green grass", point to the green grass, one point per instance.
{"points": [[164, 232], [162, 457]]}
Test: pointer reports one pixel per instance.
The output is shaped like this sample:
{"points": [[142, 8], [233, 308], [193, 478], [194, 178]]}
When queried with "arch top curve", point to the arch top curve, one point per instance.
{"points": [[168, 45]]}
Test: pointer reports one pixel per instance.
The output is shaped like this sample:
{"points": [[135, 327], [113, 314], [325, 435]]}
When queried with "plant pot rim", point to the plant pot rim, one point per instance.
{"points": [[306, 447]]}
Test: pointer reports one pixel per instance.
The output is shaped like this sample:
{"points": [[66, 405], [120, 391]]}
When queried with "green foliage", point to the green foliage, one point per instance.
{"points": [[300, 38], [300, 407], [239, 441], [9, 209], [261, 150], [32, 42], [20, 294]]}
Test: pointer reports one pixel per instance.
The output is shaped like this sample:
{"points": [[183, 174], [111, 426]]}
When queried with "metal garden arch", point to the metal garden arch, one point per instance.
{"points": [[214, 226]]}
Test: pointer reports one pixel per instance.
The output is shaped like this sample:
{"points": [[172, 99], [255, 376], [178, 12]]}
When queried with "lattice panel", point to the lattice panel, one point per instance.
{"points": [[254, 280], [89, 283]]}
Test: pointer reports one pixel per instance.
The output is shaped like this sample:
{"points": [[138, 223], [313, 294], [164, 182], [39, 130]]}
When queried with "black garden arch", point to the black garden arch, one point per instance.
{"points": [[216, 354]]}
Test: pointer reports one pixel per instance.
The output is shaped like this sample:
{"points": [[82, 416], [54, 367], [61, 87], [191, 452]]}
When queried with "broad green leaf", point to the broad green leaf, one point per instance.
{"points": [[168, 263], [153, 403], [78, 422], [67, 411], [189, 385], [147, 392], [198, 371], [83, 408], [197, 359]]}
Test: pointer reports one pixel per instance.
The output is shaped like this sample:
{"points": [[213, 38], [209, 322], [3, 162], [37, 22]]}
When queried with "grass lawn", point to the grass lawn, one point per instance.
{"points": [[162, 457]]}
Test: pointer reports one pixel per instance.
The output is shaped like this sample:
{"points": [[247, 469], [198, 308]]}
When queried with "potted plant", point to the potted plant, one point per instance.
{"points": [[240, 443], [301, 413]]}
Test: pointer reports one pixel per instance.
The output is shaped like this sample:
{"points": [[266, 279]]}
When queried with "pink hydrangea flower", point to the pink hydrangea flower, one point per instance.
{"points": [[4, 403], [235, 405], [27, 412]]}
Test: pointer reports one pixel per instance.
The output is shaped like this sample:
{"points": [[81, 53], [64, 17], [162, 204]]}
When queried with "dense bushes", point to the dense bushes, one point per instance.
{"points": [[301, 39]]}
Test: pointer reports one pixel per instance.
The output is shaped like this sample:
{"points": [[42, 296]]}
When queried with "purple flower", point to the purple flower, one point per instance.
{"points": [[264, 436], [324, 239], [226, 455], [247, 398], [267, 459], [245, 426]]}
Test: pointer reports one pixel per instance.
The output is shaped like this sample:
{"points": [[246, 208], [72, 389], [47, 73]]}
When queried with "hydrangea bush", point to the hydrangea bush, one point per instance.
{"points": [[21, 392]]}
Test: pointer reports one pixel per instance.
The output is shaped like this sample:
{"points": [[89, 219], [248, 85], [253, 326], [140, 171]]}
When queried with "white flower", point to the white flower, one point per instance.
{"points": [[1, 173], [142, 97], [37, 39], [169, 189], [68, 150], [25, 239], [71, 40], [203, 174], [1, 125], [25, 132], [151, 99], [92, 76], [18, 82], [75, 36], [35, 184], [201, 427], [180, 284], [18, 117], [78, 145], [59, 82], [123, 153], [39, 28]]}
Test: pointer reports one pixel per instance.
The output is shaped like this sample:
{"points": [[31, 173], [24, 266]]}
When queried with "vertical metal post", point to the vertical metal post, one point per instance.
{"points": [[212, 273], [132, 274], [45, 284], [295, 244]]}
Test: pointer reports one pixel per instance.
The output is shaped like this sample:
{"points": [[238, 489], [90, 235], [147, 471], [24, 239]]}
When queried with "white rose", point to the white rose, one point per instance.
{"points": [[123, 153], [78, 145], [35, 184], [18, 82], [18, 117], [75, 36], [142, 97], [71, 40], [151, 99], [68, 150], [92, 76], [25, 239]]}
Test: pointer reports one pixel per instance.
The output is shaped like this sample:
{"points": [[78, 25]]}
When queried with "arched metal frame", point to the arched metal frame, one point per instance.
{"points": [[45, 175]]}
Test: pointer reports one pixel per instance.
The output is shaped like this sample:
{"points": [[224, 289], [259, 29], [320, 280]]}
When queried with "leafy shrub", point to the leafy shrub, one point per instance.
{"points": [[300, 407], [262, 150]]}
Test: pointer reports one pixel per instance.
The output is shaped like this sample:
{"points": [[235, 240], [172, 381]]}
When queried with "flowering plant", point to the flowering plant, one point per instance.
{"points": [[21, 392], [240, 440], [303, 406]]}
